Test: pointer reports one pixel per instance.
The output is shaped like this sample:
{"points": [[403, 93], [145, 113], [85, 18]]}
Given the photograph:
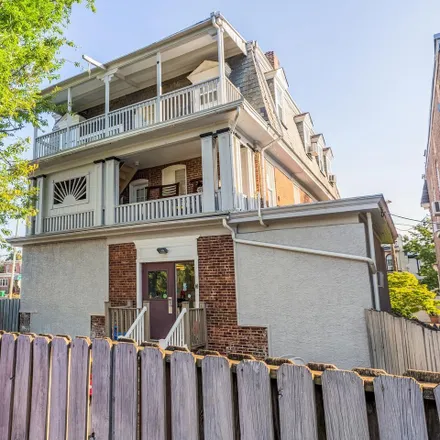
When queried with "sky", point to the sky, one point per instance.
{"points": [[363, 69]]}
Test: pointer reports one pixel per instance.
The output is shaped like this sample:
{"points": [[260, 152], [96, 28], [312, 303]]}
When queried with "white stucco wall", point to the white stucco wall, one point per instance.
{"points": [[313, 306], [64, 284]]}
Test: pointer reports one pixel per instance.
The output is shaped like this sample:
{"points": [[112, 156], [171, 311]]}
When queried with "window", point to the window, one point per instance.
{"points": [[4, 282], [70, 192], [270, 185], [307, 138], [175, 174], [320, 158], [390, 263], [158, 284], [139, 191], [279, 102]]}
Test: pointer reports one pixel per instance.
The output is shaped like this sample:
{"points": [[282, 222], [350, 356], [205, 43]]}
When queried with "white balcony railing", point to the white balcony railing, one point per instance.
{"points": [[67, 222], [245, 203], [171, 207], [174, 105]]}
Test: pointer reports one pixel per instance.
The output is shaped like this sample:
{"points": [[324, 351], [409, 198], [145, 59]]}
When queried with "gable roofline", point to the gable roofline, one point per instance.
{"points": [[145, 52]]}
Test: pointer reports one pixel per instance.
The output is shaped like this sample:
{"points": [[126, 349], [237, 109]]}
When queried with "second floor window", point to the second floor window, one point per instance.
{"points": [[175, 174], [270, 185]]}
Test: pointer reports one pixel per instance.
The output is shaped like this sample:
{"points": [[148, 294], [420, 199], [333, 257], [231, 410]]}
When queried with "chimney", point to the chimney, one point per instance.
{"points": [[273, 59]]}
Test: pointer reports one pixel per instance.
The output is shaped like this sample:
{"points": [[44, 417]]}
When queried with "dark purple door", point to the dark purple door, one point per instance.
{"points": [[159, 289]]}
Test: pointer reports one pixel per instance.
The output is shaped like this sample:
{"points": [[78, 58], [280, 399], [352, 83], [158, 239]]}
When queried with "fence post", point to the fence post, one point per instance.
{"points": [[107, 319]]}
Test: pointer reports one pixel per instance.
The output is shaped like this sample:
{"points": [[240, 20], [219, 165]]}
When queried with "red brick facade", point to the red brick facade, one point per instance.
{"points": [[154, 175], [217, 290], [122, 274]]}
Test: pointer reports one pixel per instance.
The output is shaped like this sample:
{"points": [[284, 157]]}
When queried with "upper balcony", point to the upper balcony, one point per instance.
{"points": [[182, 76], [172, 106]]}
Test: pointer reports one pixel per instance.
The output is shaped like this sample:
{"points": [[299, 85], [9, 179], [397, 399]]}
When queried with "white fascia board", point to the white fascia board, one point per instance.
{"points": [[126, 229]]}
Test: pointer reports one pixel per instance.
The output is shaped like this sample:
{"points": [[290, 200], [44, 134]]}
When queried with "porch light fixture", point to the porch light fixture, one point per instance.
{"points": [[162, 250]]}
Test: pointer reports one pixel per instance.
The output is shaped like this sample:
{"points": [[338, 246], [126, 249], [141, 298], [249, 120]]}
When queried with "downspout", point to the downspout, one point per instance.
{"points": [[282, 247], [373, 257]]}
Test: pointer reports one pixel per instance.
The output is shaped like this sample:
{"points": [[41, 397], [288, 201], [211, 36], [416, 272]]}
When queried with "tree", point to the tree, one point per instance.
{"points": [[408, 296], [421, 243], [18, 256], [31, 36]]}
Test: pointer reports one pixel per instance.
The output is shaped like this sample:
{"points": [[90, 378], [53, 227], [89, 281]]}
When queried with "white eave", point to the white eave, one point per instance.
{"points": [[382, 221]]}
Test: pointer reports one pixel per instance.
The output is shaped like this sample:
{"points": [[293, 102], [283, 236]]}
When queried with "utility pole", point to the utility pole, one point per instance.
{"points": [[14, 258]]}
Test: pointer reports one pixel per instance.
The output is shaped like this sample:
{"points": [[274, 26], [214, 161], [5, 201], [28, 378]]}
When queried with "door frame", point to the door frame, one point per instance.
{"points": [[178, 249]]}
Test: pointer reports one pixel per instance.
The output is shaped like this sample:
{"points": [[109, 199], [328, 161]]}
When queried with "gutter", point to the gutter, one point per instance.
{"points": [[320, 253]]}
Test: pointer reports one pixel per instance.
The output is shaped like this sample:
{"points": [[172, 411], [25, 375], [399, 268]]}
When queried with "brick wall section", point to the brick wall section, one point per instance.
{"points": [[97, 326], [217, 290], [122, 274], [138, 96], [154, 175]]}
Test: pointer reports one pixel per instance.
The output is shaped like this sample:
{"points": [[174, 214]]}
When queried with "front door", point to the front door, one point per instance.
{"points": [[159, 289]]}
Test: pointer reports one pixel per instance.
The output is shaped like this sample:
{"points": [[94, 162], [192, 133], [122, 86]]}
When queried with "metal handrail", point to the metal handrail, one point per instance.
{"points": [[136, 322]]}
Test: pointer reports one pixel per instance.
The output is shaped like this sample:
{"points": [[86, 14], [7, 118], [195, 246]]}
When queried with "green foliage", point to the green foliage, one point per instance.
{"points": [[421, 243], [31, 36], [408, 296]]}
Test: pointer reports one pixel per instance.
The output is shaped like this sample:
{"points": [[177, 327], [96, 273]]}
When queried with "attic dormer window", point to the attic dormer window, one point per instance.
{"points": [[279, 102]]}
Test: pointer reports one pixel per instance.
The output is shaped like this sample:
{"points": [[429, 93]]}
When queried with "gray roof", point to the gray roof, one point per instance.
{"points": [[425, 194]]}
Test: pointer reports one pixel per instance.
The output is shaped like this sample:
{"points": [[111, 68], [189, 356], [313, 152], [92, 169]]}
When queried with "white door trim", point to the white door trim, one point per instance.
{"points": [[179, 249]]}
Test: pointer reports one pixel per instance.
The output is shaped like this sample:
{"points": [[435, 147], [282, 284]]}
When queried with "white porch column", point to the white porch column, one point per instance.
{"points": [[208, 172], [111, 192], [36, 152], [221, 61], [69, 112], [40, 205], [225, 149], [106, 78], [30, 220], [158, 87], [99, 195]]}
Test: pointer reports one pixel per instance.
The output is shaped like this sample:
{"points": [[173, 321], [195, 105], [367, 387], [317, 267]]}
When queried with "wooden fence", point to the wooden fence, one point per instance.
{"points": [[399, 344], [9, 309], [143, 392]]}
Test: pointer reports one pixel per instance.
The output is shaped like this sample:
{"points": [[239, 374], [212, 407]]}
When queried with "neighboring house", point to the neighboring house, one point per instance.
{"points": [[6, 276], [398, 260], [170, 160], [431, 179]]}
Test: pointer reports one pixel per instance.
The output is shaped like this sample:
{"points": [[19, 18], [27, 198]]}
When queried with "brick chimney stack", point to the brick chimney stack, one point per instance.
{"points": [[273, 59]]}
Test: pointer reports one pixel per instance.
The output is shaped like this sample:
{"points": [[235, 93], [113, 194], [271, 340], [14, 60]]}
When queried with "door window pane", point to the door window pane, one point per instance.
{"points": [[157, 284], [185, 282]]}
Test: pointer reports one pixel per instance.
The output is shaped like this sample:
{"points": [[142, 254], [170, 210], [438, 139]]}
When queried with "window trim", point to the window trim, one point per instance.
{"points": [[134, 186], [270, 173], [175, 168]]}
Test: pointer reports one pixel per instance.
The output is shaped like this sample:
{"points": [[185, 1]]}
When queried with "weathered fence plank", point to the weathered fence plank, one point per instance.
{"points": [[79, 387], [7, 364], [344, 405], [254, 397], [125, 397], [296, 395], [40, 389], [217, 398], [101, 388], [22, 387], [400, 408], [58, 388], [153, 420], [184, 404]]}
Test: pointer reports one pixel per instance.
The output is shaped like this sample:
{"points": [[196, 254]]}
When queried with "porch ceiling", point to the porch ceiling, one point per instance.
{"points": [[164, 155], [179, 58]]}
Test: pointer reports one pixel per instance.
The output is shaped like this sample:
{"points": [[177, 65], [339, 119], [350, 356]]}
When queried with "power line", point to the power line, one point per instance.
{"points": [[407, 218]]}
